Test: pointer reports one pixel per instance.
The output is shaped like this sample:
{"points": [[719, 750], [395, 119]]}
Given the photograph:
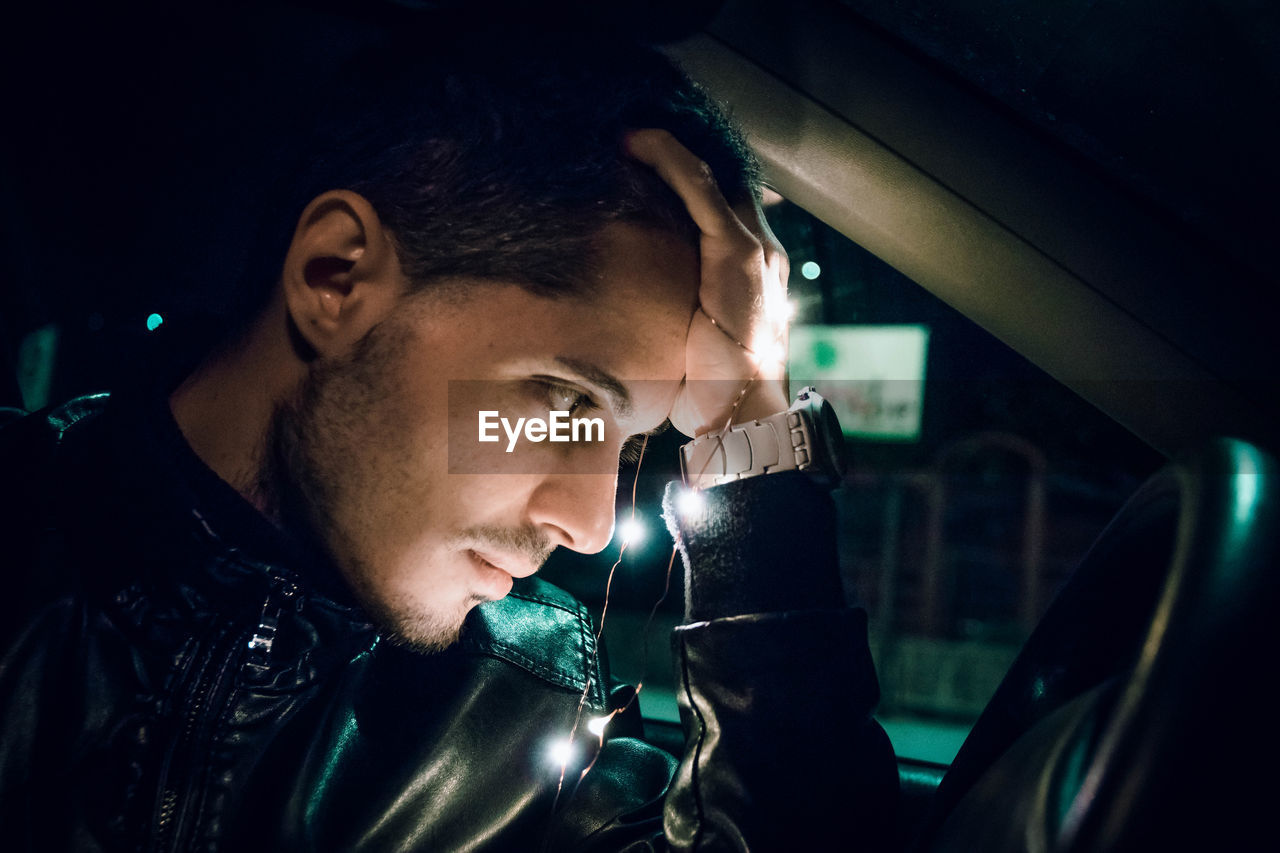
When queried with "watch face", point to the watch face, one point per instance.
{"points": [[832, 436]]}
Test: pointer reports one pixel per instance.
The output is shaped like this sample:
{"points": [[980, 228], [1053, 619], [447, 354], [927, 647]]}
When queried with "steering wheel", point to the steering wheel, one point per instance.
{"points": [[1137, 716]]}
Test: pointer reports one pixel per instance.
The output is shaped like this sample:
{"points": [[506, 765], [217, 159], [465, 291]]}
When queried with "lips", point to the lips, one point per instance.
{"points": [[490, 582], [512, 565]]}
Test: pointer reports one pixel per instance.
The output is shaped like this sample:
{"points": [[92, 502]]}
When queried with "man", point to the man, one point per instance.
{"points": [[273, 600]]}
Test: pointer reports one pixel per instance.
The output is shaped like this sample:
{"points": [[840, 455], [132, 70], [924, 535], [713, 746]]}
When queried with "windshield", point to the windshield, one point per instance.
{"points": [[976, 483]]}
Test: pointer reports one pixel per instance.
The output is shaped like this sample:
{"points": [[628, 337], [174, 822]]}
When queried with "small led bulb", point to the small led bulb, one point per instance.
{"points": [[596, 725], [631, 531], [690, 502], [561, 752]]}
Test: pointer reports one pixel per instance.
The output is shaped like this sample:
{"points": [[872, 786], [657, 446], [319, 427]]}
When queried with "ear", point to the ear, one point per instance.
{"points": [[341, 274]]}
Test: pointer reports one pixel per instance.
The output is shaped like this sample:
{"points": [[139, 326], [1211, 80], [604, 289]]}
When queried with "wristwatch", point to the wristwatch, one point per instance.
{"points": [[806, 437]]}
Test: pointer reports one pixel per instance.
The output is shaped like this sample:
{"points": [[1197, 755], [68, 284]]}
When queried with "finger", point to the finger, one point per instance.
{"points": [[691, 179], [751, 215], [775, 256]]}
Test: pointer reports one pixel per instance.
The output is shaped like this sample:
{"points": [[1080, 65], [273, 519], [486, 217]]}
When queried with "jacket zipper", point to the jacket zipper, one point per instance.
{"points": [[184, 757], [178, 794]]}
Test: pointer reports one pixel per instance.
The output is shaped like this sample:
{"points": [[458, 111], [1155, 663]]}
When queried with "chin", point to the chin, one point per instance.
{"points": [[403, 621], [422, 642], [428, 633]]}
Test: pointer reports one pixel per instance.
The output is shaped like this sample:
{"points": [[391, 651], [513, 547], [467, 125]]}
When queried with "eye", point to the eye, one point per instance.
{"points": [[566, 398]]}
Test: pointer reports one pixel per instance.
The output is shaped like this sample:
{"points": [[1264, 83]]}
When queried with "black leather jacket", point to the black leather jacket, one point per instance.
{"points": [[176, 678]]}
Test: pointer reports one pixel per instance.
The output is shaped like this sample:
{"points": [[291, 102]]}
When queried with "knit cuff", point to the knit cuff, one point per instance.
{"points": [[759, 545]]}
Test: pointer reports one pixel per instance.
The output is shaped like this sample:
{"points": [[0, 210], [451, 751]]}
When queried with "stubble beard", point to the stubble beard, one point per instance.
{"points": [[306, 488]]}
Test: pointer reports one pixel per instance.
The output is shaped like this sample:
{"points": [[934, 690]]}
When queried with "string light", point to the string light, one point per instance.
{"points": [[596, 725], [561, 752], [689, 502], [632, 531], [769, 357], [564, 750]]}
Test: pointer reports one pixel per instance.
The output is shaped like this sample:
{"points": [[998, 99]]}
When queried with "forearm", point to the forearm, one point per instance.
{"points": [[765, 544], [777, 685]]}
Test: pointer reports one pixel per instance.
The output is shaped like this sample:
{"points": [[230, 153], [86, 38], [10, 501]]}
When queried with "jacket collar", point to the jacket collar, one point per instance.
{"points": [[163, 498]]}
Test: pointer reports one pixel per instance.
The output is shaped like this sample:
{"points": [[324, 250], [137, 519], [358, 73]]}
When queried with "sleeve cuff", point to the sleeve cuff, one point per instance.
{"points": [[761, 545]]}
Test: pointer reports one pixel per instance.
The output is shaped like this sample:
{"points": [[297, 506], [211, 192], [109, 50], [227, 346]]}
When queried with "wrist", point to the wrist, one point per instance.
{"points": [[763, 398], [736, 402], [803, 437]]}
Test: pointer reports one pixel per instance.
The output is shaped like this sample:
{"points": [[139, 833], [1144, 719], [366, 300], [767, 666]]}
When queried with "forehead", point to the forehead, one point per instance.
{"points": [[631, 323], [644, 293]]}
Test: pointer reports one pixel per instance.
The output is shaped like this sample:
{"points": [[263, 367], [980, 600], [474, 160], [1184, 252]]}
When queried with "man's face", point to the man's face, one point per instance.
{"points": [[366, 445]]}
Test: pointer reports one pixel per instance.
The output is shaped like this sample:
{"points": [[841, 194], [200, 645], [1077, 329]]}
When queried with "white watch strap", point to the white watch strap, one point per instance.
{"points": [[780, 442]]}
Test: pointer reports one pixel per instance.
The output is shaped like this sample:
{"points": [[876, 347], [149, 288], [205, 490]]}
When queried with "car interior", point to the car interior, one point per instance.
{"points": [[1029, 267]]}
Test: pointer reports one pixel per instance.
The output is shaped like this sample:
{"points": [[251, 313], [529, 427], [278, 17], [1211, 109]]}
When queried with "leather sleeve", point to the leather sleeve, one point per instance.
{"points": [[777, 686], [776, 689], [781, 752], [385, 749]]}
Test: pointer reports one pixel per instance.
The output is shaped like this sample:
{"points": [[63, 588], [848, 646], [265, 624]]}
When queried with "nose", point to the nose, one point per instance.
{"points": [[575, 510]]}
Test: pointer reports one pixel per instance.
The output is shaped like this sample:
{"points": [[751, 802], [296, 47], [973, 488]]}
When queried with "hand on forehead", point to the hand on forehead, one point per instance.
{"points": [[737, 342]]}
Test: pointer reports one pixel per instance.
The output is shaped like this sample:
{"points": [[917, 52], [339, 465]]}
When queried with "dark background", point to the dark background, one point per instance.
{"points": [[143, 139], [140, 135]]}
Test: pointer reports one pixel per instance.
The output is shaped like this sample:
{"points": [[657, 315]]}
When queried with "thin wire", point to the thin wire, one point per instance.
{"points": [[623, 548], [644, 634], [725, 331], [595, 651], [604, 610], [684, 479], [644, 661]]}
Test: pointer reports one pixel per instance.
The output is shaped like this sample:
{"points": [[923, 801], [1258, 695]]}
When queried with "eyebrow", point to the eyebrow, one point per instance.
{"points": [[603, 380]]}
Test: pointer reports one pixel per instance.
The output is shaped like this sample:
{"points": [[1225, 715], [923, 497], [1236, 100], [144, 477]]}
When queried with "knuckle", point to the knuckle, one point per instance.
{"points": [[656, 136], [705, 173]]}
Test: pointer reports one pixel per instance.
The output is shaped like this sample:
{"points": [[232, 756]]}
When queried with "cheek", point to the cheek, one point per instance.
{"points": [[385, 475], [409, 426]]}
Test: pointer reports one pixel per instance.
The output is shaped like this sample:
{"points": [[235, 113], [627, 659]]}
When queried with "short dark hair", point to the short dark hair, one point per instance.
{"points": [[493, 159]]}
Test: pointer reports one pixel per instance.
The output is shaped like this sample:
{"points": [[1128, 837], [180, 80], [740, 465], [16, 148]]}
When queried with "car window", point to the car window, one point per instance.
{"points": [[976, 483], [1169, 110]]}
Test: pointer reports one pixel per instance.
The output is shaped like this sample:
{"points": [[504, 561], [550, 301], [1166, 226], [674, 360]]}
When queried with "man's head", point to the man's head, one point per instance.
{"points": [[474, 218], [498, 159]]}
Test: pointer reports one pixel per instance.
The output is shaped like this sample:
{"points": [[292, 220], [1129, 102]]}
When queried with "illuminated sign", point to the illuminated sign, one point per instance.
{"points": [[872, 375]]}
